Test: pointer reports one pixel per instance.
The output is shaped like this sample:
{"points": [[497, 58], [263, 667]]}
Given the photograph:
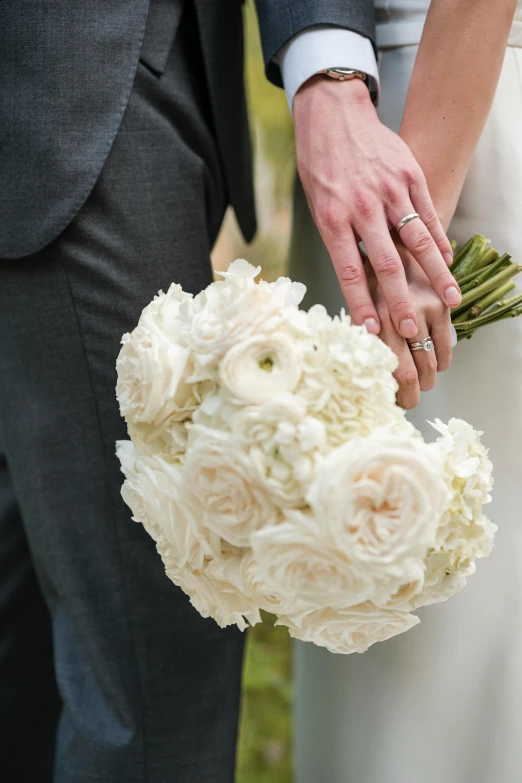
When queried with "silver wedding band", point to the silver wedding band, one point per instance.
{"points": [[426, 344], [406, 220]]}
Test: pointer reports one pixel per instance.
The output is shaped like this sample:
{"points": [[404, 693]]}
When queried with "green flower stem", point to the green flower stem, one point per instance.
{"points": [[487, 301], [473, 256], [460, 255], [479, 276], [487, 257], [489, 285], [490, 317]]}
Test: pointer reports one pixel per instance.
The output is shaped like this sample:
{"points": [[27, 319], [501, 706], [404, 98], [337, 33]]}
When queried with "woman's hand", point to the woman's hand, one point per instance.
{"points": [[417, 371]]}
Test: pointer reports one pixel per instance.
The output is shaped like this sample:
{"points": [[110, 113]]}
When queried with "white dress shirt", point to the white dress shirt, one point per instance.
{"points": [[324, 47]]}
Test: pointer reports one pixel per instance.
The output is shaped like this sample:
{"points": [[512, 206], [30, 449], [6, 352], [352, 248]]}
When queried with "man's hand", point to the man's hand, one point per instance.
{"points": [[416, 371], [360, 180]]}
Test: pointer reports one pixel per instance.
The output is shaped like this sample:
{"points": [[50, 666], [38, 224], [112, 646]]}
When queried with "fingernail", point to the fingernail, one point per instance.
{"points": [[453, 296], [371, 325], [453, 336], [408, 327], [448, 258]]}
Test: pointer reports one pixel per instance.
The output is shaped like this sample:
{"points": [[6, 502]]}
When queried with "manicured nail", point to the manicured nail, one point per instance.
{"points": [[453, 296], [408, 327], [448, 258], [372, 325]]}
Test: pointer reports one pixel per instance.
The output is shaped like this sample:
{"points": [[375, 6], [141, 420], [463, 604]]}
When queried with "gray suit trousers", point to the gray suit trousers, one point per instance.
{"points": [[150, 690]]}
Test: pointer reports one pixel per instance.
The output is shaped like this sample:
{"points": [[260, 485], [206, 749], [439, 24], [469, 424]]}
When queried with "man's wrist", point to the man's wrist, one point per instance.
{"points": [[354, 91], [315, 49]]}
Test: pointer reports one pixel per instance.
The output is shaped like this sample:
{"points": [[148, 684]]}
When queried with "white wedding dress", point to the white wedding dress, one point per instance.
{"points": [[442, 703]]}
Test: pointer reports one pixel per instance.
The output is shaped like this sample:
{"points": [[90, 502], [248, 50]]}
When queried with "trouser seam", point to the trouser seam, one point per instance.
{"points": [[124, 570]]}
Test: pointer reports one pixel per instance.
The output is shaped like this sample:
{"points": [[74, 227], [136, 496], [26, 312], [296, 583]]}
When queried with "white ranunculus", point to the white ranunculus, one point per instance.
{"points": [[237, 308], [349, 630], [153, 367], [152, 490], [296, 562], [380, 499], [220, 474], [258, 368]]}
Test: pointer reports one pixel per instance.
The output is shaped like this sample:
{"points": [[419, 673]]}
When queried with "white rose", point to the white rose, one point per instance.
{"points": [[380, 499], [295, 563], [261, 595], [210, 590], [221, 476], [284, 444], [349, 630], [260, 367], [169, 438], [152, 490], [153, 367]]}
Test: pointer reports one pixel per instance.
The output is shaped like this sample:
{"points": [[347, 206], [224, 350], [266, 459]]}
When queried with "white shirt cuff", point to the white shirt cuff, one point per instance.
{"points": [[324, 47]]}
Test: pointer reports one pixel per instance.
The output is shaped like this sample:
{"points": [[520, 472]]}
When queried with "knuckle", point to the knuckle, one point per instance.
{"points": [[351, 274], [421, 242], [388, 265], [430, 218], [364, 205], [407, 379], [431, 366], [332, 219], [391, 191]]}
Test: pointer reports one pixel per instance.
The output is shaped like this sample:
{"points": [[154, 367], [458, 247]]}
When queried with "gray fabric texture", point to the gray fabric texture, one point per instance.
{"points": [[150, 689], [66, 72]]}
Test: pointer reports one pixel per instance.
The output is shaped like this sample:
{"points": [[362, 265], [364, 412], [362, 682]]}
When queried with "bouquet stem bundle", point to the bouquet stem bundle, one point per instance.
{"points": [[485, 279]]}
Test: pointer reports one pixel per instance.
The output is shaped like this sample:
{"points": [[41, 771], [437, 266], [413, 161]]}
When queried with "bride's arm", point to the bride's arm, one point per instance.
{"points": [[451, 90]]}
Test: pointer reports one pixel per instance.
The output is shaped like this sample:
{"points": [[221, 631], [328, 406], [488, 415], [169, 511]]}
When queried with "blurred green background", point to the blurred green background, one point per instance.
{"points": [[265, 737]]}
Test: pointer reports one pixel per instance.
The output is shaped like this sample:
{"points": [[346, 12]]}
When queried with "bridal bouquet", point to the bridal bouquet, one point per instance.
{"points": [[269, 462]]}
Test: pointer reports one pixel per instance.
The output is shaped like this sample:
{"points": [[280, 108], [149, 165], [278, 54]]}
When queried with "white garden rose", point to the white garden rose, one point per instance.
{"points": [[296, 561], [259, 592], [211, 592], [351, 630], [153, 367], [256, 369], [168, 438], [221, 476], [380, 499], [152, 490]]}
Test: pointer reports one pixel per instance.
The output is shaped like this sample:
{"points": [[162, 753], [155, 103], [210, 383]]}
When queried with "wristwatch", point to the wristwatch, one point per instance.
{"points": [[348, 74]]}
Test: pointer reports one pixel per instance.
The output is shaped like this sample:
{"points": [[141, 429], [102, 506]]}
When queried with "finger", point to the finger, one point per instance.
{"points": [[441, 334], [425, 361], [389, 269], [423, 204], [419, 241], [351, 275], [408, 394]]}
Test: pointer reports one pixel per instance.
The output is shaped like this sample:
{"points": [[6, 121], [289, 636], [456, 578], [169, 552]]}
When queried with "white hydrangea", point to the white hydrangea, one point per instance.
{"points": [[464, 534]]}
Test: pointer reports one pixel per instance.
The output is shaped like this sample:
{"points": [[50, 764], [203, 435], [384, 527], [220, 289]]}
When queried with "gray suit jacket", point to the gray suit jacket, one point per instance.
{"points": [[66, 72]]}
